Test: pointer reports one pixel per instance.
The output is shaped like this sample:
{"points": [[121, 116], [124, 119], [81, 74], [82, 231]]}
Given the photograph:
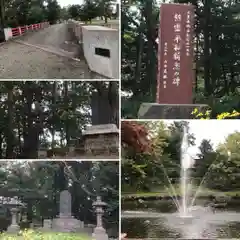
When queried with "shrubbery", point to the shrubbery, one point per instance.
{"points": [[207, 115]]}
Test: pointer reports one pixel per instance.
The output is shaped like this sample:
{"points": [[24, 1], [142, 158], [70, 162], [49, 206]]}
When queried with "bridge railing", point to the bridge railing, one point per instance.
{"points": [[18, 31]]}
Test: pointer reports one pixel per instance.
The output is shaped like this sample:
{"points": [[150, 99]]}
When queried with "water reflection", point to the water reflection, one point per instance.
{"points": [[204, 222]]}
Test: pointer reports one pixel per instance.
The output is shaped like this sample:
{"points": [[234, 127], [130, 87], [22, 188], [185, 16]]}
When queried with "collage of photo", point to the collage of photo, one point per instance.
{"points": [[119, 119]]}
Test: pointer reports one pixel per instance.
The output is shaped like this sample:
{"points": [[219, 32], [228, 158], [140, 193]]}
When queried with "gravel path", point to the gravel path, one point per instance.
{"points": [[19, 61]]}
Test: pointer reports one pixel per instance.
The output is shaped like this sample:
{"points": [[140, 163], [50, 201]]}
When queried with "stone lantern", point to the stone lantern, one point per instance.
{"points": [[99, 232], [14, 205]]}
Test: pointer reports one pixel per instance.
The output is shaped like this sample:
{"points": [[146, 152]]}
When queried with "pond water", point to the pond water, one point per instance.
{"points": [[159, 219]]}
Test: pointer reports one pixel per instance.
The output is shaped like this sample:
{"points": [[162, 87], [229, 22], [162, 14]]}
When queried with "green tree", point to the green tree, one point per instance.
{"points": [[89, 11], [74, 11], [53, 11]]}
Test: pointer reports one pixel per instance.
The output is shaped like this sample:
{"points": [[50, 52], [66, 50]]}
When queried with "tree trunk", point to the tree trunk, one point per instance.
{"points": [[1, 142], [10, 134], [140, 44], [112, 94], [113, 99], [150, 80], [34, 121], [54, 113], [206, 33], [2, 20], [27, 119], [66, 110]]}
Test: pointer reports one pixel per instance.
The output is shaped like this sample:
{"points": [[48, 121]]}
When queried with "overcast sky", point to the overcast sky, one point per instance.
{"points": [[65, 3], [214, 130]]}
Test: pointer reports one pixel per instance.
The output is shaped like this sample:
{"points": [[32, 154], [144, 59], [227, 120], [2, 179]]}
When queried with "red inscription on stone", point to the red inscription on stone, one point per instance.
{"points": [[175, 54]]}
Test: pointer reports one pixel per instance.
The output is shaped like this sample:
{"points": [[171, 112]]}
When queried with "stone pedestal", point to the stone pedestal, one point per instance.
{"points": [[14, 227], [47, 224], [101, 140], [170, 111], [67, 224], [99, 233], [42, 153]]}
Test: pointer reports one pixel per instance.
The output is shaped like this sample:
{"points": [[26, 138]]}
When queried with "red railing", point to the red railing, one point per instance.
{"points": [[23, 29]]}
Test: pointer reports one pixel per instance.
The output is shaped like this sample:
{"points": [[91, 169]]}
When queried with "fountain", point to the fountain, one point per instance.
{"points": [[185, 207], [186, 163], [191, 220]]}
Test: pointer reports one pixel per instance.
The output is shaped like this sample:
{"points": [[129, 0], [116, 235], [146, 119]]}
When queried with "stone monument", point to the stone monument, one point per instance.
{"points": [[99, 232], [65, 221], [175, 66], [102, 140]]}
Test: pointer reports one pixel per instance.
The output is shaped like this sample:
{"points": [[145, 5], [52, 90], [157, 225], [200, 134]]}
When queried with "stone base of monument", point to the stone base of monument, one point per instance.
{"points": [[101, 140], [67, 224], [13, 229], [99, 233], [47, 225], [158, 238], [169, 111]]}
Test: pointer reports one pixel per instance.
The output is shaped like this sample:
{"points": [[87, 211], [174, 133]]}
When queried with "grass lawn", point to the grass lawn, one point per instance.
{"points": [[204, 192], [31, 235]]}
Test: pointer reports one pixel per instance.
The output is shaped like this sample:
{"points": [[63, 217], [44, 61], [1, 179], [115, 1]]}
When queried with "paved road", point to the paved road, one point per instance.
{"points": [[40, 55]]}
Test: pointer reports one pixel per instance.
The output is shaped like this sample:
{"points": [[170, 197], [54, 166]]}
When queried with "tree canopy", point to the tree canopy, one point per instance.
{"points": [[146, 171], [19, 13]]}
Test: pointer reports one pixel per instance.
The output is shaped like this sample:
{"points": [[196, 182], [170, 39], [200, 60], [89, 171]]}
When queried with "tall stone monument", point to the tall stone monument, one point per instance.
{"points": [[175, 66], [65, 221]]}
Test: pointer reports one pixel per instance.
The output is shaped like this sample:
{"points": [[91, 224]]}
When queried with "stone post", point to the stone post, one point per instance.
{"points": [[47, 224], [99, 232], [42, 153], [14, 227]]}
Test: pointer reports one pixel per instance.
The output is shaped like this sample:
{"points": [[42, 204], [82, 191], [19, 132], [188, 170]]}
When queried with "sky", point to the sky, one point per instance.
{"points": [[65, 3], [214, 130]]}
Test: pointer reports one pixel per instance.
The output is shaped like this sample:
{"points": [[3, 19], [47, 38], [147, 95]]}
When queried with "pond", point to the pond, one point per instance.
{"points": [[159, 219]]}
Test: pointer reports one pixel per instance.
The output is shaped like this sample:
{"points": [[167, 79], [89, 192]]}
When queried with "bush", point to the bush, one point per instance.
{"points": [[207, 115]]}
